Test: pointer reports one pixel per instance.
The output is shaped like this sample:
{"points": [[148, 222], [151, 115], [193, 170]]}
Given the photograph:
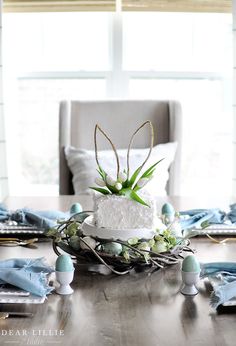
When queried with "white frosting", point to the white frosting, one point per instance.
{"points": [[119, 212]]}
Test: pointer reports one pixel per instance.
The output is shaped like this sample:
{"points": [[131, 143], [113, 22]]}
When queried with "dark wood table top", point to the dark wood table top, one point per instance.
{"points": [[137, 309]]}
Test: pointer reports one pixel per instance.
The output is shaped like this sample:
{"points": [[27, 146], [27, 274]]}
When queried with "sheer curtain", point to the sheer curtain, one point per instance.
{"points": [[3, 163], [234, 100]]}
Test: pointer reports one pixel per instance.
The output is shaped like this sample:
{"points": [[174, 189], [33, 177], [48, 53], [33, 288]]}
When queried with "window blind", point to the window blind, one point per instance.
{"points": [[3, 157], [178, 5], [58, 5], [110, 5]]}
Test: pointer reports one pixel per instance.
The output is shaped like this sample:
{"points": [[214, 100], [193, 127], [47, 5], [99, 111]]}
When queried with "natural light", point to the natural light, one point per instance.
{"points": [[63, 56]]}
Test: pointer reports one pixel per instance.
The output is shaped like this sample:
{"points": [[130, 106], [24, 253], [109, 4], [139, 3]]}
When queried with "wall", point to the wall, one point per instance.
{"points": [[3, 169], [234, 99]]}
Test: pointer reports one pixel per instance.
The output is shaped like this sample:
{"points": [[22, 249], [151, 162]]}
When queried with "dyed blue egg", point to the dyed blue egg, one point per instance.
{"points": [[112, 248], [191, 264], [76, 208], [64, 264], [75, 242], [167, 209]]}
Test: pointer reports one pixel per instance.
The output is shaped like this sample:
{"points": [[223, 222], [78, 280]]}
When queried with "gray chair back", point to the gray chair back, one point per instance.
{"points": [[119, 119]]}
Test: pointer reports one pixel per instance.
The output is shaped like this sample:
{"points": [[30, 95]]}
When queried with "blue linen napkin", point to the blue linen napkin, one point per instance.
{"points": [[232, 214], [214, 268], [197, 216], [42, 219], [29, 274], [222, 275]]}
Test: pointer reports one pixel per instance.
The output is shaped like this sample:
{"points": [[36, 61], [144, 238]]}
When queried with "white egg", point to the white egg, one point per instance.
{"points": [[90, 241], [159, 247], [110, 181], [100, 182], [118, 186], [122, 177], [144, 246]]}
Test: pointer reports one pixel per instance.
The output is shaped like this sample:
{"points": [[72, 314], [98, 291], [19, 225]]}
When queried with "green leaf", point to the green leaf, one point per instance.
{"points": [[144, 246], [133, 241], [111, 188], [151, 242], [171, 242], [147, 174], [102, 173], [126, 255], [135, 197], [134, 177], [52, 232], [131, 194], [125, 184], [150, 170], [151, 173], [158, 237], [101, 190], [71, 229], [146, 257], [159, 247], [205, 224]]}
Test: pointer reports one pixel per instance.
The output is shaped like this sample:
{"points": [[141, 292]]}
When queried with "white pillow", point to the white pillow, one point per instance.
{"points": [[83, 166]]}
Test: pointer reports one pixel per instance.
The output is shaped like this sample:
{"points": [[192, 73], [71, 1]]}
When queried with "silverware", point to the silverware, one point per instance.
{"points": [[15, 292], [17, 241], [4, 315]]}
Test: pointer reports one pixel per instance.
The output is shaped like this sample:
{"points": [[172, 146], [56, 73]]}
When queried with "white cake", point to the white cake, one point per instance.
{"points": [[121, 213]]}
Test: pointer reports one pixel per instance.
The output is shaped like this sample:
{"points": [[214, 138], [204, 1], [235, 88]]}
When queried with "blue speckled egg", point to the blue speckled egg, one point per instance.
{"points": [[191, 264], [112, 248], [64, 264], [76, 208], [167, 209], [75, 242]]}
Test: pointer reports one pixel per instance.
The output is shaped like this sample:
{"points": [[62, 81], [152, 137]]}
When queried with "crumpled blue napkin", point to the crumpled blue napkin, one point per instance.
{"points": [[222, 276], [29, 274], [198, 216], [42, 219], [232, 214]]}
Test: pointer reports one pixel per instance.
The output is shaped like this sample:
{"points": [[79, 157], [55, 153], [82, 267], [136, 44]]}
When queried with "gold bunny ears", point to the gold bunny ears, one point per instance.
{"points": [[98, 128], [124, 184]]}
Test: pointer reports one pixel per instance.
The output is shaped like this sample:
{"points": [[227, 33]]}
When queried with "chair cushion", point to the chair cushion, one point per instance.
{"points": [[83, 166]]}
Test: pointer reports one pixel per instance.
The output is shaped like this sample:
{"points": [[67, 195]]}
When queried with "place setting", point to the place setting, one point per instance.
{"points": [[123, 234]]}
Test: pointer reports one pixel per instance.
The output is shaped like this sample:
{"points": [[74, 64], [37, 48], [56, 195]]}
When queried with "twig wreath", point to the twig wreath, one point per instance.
{"points": [[118, 256]]}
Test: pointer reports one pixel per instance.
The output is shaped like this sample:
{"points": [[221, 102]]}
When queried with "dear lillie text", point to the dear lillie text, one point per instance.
{"points": [[33, 332]]}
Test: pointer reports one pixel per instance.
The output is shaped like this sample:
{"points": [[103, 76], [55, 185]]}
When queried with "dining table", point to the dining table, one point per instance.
{"points": [[137, 309]]}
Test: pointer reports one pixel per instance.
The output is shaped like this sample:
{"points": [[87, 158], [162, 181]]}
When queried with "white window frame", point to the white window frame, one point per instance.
{"points": [[117, 79]]}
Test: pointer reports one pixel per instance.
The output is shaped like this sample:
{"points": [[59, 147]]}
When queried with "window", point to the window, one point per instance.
{"points": [[184, 56]]}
